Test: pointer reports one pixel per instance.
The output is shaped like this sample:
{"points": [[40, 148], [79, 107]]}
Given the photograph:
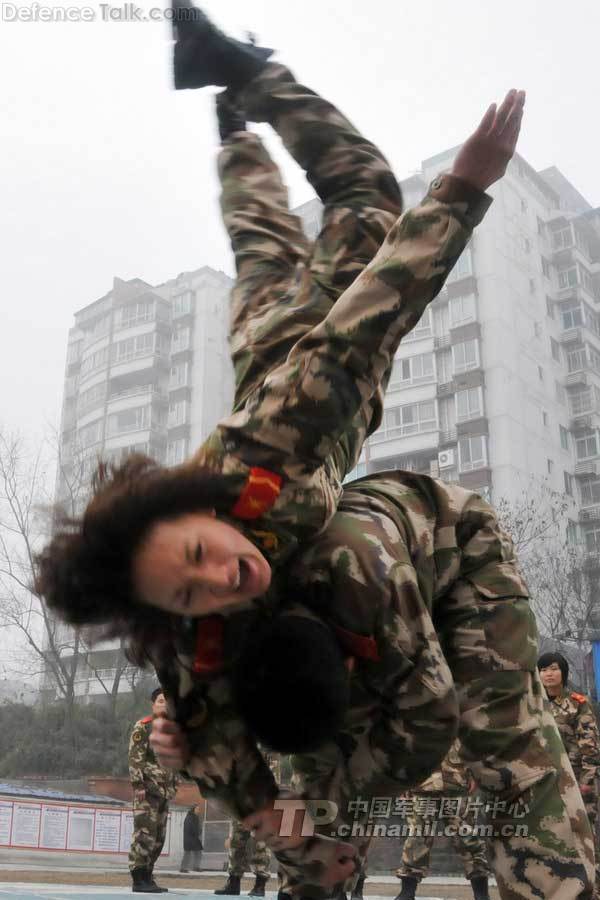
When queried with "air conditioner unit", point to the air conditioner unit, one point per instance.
{"points": [[446, 459]]}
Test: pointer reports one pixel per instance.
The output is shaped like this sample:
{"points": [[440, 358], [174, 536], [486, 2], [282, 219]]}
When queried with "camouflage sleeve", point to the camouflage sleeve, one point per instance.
{"points": [[294, 422], [225, 761], [138, 748], [588, 741]]}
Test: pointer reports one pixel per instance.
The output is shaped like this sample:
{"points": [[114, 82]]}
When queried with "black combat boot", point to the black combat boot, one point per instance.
{"points": [[409, 888], [259, 886], [152, 881], [357, 892], [479, 884], [142, 882], [204, 56], [231, 886]]}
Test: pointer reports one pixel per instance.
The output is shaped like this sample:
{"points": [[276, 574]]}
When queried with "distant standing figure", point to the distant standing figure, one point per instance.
{"points": [[192, 841], [153, 787]]}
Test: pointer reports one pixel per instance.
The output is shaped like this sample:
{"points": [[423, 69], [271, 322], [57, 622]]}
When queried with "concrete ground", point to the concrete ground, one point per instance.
{"points": [[29, 883]]}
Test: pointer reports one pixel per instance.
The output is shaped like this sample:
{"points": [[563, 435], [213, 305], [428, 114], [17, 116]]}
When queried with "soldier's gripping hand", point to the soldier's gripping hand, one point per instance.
{"points": [[484, 157], [169, 744], [140, 795]]}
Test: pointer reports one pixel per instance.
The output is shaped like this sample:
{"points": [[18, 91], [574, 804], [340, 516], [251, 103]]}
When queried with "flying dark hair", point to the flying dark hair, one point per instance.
{"points": [[156, 693], [290, 684], [84, 575]]}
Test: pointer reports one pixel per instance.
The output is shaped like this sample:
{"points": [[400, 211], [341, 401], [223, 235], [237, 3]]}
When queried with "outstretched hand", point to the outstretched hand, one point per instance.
{"points": [[484, 156]]}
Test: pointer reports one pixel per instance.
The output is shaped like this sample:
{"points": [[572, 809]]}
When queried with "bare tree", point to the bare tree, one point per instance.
{"points": [[42, 646], [562, 583]]}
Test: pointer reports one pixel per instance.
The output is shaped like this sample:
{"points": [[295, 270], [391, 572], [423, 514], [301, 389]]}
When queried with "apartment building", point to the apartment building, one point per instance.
{"points": [[147, 371]]}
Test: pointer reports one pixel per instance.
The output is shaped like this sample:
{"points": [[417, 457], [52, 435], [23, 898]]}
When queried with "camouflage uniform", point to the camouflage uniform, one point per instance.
{"points": [[578, 728], [314, 332], [244, 851], [150, 814], [450, 782]]}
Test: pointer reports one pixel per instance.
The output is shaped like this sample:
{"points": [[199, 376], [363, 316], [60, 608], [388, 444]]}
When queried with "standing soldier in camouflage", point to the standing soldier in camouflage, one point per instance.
{"points": [[153, 787], [246, 852], [451, 785], [578, 728]]}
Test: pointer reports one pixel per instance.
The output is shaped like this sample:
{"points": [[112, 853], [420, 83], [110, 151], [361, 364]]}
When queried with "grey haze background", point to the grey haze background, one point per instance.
{"points": [[107, 171]]}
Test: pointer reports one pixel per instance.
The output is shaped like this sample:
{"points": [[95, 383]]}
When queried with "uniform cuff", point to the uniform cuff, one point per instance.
{"points": [[472, 203]]}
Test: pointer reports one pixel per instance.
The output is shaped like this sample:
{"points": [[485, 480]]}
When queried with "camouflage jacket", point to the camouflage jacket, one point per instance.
{"points": [[397, 547], [578, 728], [451, 777], [145, 771], [284, 450]]}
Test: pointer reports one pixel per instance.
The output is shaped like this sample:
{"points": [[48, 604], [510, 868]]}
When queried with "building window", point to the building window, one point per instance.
{"points": [[545, 267], [586, 447], [560, 393], [523, 205], [133, 347], [469, 404], [564, 437], [592, 540], [463, 267], [525, 244], [90, 434], [182, 303], [567, 278], [576, 360], [96, 361], [541, 227], [568, 484], [555, 350], [532, 286], [400, 421], [178, 376], [572, 532], [545, 417], [590, 491], [136, 313], [136, 419], [550, 307], [537, 329], [571, 314], [562, 238], [540, 373], [462, 309], [177, 413], [550, 466], [414, 370], [585, 401], [176, 452], [180, 340], [422, 328], [472, 453], [465, 356]]}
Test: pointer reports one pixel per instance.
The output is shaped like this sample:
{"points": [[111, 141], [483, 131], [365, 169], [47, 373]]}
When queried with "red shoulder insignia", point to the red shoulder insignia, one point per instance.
{"points": [[580, 698], [209, 645], [358, 645], [258, 494], [146, 720]]}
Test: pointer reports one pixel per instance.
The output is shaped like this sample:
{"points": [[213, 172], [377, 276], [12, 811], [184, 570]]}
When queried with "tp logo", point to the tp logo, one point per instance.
{"points": [[313, 812]]}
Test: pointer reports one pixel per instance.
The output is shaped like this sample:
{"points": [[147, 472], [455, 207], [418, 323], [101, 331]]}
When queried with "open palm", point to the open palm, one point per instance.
{"points": [[484, 157]]}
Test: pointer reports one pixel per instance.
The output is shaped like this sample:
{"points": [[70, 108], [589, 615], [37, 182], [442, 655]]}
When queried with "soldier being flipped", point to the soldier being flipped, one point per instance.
{"points": [[249, 572]]}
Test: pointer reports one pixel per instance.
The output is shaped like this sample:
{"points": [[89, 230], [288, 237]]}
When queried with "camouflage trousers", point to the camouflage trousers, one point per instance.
{"points": [[417, 846], [286, 285], [149, 831], [246, 853]]}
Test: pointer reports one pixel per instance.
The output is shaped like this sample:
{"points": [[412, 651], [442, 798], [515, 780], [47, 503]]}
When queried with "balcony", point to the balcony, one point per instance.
{"points": [[571, 336], [576, 379], [584, 421], [588, 467], [590, 514], [448, 437]]}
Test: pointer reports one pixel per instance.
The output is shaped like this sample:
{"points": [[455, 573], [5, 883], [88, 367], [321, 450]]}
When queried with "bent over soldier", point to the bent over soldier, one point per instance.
{"points": [[450, 784], [153, 787]]}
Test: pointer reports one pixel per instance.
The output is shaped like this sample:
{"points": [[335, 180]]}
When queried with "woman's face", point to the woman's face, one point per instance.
{"points": [[196, 565], [551, 677]]}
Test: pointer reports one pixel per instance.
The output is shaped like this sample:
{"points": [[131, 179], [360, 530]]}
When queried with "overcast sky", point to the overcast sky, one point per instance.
{"points": [[106, 171]]}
